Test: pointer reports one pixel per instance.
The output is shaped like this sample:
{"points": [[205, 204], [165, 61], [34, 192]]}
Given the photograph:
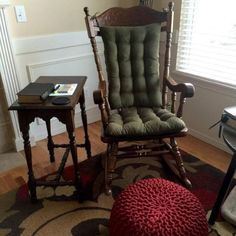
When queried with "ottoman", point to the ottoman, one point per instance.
{"points": [[157, 207]]}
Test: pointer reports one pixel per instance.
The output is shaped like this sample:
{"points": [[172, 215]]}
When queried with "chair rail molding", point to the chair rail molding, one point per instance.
{"points": [[4, 3], [8, 71]]}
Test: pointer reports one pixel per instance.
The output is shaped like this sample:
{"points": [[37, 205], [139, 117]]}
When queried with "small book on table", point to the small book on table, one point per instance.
{"points": [[35, 93]]}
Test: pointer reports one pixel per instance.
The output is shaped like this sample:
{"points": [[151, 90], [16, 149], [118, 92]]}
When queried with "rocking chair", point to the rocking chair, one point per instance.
{"points": [[132, 101]]}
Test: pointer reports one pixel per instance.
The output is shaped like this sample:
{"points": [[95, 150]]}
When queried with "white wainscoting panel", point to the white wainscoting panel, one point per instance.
{"points": [[60, 54]]}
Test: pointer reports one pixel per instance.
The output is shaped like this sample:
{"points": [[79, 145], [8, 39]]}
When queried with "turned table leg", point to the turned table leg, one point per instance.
{"points": [[24, 127], [50, 141], [85, 124], [73, 148]]}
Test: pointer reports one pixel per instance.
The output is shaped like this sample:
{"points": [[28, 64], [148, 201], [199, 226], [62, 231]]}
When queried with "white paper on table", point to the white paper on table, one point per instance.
{"points": [[64, 90]]}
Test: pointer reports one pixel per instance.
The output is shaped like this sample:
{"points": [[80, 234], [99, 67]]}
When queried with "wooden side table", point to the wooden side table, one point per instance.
{"points": [[64, 113]]}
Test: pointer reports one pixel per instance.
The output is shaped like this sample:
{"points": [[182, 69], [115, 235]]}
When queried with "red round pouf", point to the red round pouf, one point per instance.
{"points": [[157, 207]]}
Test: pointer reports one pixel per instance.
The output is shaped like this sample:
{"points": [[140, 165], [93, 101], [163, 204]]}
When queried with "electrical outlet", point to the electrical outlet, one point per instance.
{"points": [[20, 13]]}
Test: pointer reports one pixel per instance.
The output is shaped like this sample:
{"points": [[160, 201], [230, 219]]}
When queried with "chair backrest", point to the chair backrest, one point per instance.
{"points": [[131, 41]]}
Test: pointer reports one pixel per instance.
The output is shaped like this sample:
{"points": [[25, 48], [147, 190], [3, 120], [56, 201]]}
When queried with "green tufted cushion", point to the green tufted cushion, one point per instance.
{"points": [[134, 121], [132, 63]]}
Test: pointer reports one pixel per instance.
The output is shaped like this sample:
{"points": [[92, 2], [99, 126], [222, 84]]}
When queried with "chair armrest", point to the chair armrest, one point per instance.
{"points": [[100, 101], [97, 97], [186, 89]]}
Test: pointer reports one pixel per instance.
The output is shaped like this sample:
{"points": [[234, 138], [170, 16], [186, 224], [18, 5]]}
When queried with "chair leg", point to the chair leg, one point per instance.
{"points": [[179, 163], [110, 163]]}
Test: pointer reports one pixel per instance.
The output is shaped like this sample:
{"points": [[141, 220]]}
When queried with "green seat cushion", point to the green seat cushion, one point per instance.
{"points": [[140, 122], [132, 63]]}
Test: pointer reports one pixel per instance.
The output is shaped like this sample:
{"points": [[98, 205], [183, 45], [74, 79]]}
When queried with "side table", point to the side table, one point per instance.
{"points": [[230, 139], [64, 113]]}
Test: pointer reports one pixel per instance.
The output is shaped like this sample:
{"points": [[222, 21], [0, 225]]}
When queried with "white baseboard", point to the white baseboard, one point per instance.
{"points": [[93, 115], [207, 139]]}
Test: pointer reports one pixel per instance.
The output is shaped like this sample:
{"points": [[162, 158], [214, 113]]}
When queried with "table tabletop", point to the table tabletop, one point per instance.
{"points": [[47, 104]]}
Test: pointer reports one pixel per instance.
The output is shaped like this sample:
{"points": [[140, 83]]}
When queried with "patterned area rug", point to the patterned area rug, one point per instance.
{"points": [[58, 211]]}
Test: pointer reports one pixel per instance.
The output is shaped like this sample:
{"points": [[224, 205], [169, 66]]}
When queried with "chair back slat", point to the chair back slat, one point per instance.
{"points": [[166, 72], [133, 16]]}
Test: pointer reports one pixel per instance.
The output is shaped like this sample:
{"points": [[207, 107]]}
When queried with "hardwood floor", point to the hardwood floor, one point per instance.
{"points": [[15, 177]]}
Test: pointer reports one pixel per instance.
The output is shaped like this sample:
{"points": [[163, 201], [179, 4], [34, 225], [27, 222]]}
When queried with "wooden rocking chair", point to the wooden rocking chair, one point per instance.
{"points": [[132, 101]]}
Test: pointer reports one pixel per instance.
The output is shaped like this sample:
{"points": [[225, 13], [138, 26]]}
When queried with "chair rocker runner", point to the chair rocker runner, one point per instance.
{"points": [[134, 105]]}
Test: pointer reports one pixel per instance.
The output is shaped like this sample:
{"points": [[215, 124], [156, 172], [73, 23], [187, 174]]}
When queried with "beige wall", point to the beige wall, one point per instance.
{"points": [[160, 4], [56, 16]]}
